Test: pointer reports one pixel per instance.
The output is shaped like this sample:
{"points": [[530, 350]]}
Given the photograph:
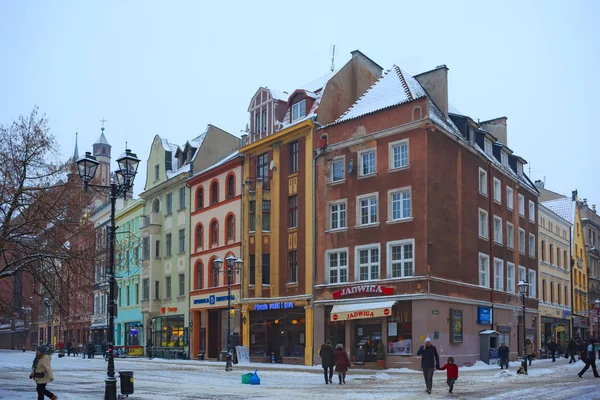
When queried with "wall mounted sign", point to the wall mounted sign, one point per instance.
{"points": [[168, 309], [368, 313], [456, 326], [376, 289], [213, 300], [484, 315], [274, 306]]}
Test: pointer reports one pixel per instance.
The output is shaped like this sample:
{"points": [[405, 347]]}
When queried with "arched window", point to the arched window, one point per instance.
{"points": [[213, 276], [230, 228], [416, 113], [214, 233], [156, 206], [214, 193], [225, 274], [199, 275], [199, 198], [199, 237], [230, 186]]}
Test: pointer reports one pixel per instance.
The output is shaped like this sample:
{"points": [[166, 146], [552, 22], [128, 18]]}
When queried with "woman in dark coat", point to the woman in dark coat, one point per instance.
{"points": [[572, 349], [327, 360], [342, 363]]}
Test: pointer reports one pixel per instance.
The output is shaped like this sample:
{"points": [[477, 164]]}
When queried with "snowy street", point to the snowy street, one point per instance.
{"points": [[76, 378]]}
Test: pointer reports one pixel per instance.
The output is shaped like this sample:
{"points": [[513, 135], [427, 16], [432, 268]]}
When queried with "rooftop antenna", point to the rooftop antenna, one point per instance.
{"points": [[333, 58]]}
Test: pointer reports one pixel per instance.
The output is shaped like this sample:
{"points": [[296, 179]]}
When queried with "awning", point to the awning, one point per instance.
{"points": [[345, 312]]}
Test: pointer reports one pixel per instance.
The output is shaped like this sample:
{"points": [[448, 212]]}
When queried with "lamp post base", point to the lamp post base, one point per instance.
{"points": [[110, 390], [228, 363]]}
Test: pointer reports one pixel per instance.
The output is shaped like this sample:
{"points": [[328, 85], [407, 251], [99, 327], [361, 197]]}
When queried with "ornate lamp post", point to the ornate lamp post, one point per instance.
{"points": [[49, 320], [128, 164], [234, 265], [523, 290]]}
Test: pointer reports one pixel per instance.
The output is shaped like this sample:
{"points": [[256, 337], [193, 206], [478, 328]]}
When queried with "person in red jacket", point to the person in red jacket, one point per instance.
{"points": [[341, 362], [451, 373]]}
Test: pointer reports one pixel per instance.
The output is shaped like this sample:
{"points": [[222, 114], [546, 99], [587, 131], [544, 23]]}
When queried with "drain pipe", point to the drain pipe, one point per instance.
{"points": [[318, 152]]}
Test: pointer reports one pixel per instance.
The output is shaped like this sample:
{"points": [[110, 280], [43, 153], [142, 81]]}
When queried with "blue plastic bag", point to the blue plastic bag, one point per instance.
{"points": [[255, 380]]}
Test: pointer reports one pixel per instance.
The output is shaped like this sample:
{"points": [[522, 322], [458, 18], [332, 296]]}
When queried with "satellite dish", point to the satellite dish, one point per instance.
{"points": [[272, 165], [350, 166]]}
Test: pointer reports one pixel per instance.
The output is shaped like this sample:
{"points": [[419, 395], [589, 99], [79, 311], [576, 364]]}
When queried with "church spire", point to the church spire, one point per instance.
{"points": [[76, 152]]}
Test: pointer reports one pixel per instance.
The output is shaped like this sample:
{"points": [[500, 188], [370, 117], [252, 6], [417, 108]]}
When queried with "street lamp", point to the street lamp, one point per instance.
{"points": [[47, 303], [597, 307], [119, 186], [523, 289], [234, 265]]}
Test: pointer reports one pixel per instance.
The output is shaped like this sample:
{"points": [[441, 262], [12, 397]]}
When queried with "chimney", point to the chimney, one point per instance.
{"points": [[435, 83], [594, 208], [497, 127], [574, 195], [243, 140], [539, 184]]}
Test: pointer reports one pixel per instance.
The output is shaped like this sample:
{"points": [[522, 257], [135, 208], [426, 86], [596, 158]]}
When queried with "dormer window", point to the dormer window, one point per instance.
{"points": [[487, 146], [519, 168], [504, 158], [257, 122], [299, 110]]}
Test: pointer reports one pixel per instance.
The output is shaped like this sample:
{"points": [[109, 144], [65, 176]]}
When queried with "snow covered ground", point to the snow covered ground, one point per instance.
{"points": [[155, 379]]}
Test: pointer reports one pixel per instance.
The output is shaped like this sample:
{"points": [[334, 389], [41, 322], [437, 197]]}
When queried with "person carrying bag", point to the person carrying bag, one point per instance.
{"points": [[41, 371]]}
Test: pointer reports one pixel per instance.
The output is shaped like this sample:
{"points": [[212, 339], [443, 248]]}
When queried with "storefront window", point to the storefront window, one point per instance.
{"points": [[133, 334], [400, 329], [278, 332], [171, 331]]}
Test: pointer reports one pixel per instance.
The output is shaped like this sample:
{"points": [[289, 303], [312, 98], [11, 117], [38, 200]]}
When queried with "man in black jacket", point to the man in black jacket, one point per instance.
{"points": [[430, 361], [503, 355], [327, 360], [590, 360], [552, 347]]}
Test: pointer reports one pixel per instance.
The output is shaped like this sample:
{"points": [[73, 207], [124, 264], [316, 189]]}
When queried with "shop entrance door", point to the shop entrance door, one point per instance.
{"points": [[368, 332], [214, 345]]}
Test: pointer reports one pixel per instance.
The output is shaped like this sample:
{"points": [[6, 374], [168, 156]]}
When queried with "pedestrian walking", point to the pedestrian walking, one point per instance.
{"points": [[429, 362], [342, 363], [104, 349], [327, 360], [91, 349], [503, 355], [529, 350], [69, 347], [451, 373], [552, 347], [41, 372], [590, 360], [572, 349]]}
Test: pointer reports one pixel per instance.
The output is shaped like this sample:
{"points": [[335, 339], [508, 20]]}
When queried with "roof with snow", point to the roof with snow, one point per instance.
{"points": [[102, 139], [281, 95], [223, 161], [563, 207]]}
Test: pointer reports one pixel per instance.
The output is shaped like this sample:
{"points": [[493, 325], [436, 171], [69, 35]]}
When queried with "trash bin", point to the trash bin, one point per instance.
{"points": [[126, 382]]}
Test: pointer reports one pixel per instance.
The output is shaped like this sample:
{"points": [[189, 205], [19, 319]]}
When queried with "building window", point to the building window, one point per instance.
{"points": [[214, 193], [521, 205], [559, 294], [398, 154], [400, 258], [497, 191], [531, 245], [181, 198], [266, 215], [145, 248], [531, 211], [156, 172], [337, 263], [543, 251], [266, 269], [181, 291], [337, 215], [482, 181], [214, 233], [264, 121], [368, 262], [532, 284], [497, 229], [214, 275], [498, 274], [199, 275], [199, 199], [257, 122], [199, 237], [367, 163], [230, 186], [156, 206], [157, 249], [299, 110], [504, 159], [293, 211], [136, 293], [169, 241], [483, 224], [252, 215], [487, 145], [510, 198], [400, 204], [252, 269], [337, 170], [293, 266], [521, 240], [367, 209], [522, 274], [484, 270], [170, 203], [168, 286], [156, 290], [293, 157], [558, 257], [182, 240], [565, 262], [544, 290], [230, 228], [262, 166], [510, 235], [146, 289], [510, 277]]}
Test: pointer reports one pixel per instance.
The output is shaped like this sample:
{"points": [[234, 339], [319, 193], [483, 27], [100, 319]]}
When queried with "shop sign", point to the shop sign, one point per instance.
{"points": [[212, 299], [377, 289], [456, 326], [274, 306], [346, 316], [168, 309], [559, 328], [503, 328], [484, 315]]}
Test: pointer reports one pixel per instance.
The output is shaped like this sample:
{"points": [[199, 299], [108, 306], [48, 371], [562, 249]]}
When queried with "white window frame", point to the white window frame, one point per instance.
{"points": [[370, 265], [487, 146], [402, 261], [498, 274], [532, 280], [531, 211], [522, 248], [483, 181], [521, 205], [486, 270], [497, 190], [510, 198], [360, 161], [329, 215], [498, 230], [403, 217], [297, 107], [486, 221], [392, 160], [522, 271], [358, 209], [510, 235], [504, 158], [341, 159], [510, 277], [532, 245], [339, 267]]}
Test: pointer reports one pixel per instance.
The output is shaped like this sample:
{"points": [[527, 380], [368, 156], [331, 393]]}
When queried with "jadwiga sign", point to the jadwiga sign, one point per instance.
{"points": [[363, 289]]}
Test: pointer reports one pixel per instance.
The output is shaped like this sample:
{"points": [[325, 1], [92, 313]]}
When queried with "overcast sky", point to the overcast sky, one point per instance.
{"points": [[172, 67]]}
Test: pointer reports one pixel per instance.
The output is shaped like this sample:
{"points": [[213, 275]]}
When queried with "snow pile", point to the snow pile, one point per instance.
{"points": [[383, 376], [505, 374], [480, 365]]}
